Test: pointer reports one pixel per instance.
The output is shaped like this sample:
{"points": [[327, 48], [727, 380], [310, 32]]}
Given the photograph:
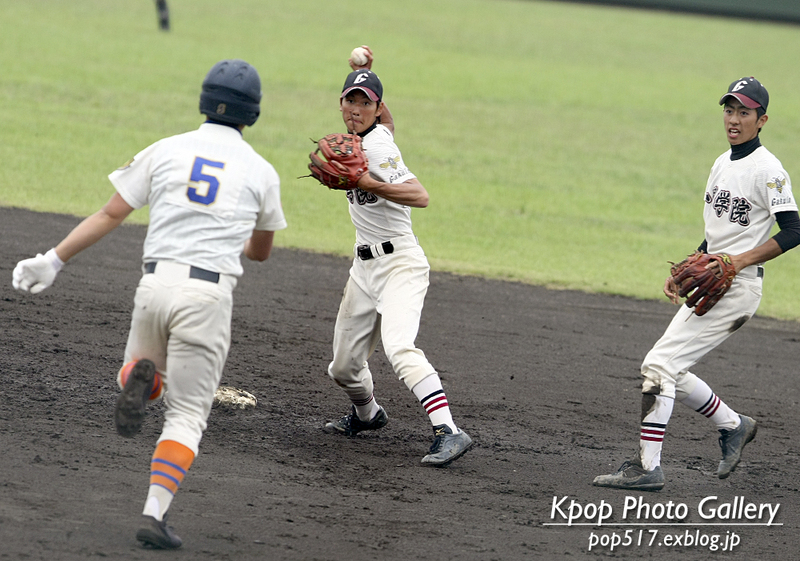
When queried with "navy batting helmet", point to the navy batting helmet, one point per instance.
{"points": [[231, 93]]}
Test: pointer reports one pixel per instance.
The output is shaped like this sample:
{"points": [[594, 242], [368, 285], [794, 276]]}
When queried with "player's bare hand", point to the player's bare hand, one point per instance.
{"points": [[368, 64], [671, 291]]}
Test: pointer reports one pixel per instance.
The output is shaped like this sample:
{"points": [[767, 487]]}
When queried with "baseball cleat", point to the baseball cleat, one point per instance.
{"points": [[351, 425], [631, 475], [129, 413], [447, 447], [733, 442], [157, 534]]}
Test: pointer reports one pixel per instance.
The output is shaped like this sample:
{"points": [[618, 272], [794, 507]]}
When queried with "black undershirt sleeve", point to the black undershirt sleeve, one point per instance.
{"points": [[789, 236]]}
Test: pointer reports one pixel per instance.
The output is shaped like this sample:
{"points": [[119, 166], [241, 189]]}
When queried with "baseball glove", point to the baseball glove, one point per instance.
{"points": [[703, 278], [343, 161]]}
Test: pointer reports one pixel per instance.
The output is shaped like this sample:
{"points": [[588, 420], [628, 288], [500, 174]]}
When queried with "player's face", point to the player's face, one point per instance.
{"points": [[359, 111], [741, 123]]}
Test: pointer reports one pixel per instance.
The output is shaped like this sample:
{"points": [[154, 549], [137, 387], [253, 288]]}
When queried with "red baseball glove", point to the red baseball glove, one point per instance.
{"points": [[343, 161], [703, 278]]}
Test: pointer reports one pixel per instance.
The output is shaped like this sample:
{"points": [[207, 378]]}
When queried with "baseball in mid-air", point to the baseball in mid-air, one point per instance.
{"points": [[359, 56]]}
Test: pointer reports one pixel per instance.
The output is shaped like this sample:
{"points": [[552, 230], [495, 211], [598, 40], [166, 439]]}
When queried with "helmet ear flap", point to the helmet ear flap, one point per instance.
{"points": [[231, 93]]}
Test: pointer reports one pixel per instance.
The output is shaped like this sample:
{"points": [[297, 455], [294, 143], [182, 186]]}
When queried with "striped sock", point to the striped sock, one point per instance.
{"points": [[168, 467], [431, 395], [651, 433], [158, 383], [705, 401]]}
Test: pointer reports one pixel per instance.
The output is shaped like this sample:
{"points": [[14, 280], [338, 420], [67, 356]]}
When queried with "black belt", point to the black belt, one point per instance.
{"points": [[365, 251], [760, 272], [194, 272]]}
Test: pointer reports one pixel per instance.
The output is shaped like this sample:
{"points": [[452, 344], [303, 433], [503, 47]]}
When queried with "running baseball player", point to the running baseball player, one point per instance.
{"points": [[747, 192], [385, 294], [212, 198]]}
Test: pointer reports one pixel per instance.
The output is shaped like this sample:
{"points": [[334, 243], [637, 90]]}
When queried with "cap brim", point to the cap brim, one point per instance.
{"points": [[743, 99], [368, 92]]}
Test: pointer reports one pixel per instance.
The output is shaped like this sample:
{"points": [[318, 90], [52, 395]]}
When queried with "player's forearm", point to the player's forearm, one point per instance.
{"points": [[259, 246], [94, 228], [386, 119], [766, 251], [86, 234], [411, 193]]}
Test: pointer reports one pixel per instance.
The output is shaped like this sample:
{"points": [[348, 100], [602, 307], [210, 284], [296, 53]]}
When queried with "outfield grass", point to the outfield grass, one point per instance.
{"points": [[565, 145]]}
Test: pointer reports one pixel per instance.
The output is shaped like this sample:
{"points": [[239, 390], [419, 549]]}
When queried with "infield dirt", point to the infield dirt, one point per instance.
{"points": [[546, 382]]}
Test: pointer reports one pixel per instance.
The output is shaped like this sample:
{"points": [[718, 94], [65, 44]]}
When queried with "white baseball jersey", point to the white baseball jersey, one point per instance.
{"points": [[742, 198], [199, 184], [375, 218]]}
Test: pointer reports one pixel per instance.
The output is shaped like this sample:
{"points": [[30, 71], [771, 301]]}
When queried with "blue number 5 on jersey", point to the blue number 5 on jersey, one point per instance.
{"points": [[199, 177]]}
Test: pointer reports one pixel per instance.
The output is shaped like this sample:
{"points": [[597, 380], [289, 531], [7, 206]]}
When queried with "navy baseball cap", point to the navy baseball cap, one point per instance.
{"points": [[366, 81], [750, 93]]}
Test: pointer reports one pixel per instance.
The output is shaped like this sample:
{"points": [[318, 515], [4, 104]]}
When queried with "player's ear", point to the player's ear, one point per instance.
{"points": [[762, 120], [380, 109]]}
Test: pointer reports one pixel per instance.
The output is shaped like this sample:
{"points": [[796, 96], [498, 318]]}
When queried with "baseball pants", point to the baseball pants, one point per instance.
{"points": [[183, 325], [383, 300], [690, 337]]}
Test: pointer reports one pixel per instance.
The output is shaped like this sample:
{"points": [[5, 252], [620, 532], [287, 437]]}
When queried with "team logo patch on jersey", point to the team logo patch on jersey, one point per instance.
{"points": [[391, 162], [777, 183]]}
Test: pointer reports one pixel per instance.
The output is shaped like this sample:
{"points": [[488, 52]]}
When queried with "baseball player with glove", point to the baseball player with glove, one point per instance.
{"points": [[211, 198], [385, 293], [747, 192]]}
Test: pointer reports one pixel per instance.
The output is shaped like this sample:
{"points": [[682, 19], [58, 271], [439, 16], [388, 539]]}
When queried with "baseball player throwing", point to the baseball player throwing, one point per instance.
{"points": [[747, 192], [211, 198], [384, 296]]}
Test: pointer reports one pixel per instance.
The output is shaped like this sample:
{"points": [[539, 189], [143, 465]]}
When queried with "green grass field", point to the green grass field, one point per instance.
{"points": [[562, 144]]}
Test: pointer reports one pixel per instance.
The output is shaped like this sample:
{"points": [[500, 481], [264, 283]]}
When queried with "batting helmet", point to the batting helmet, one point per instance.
{"points": [[231, 93]]}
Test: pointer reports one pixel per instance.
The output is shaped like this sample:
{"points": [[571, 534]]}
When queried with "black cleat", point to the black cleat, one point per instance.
{"points": [[129, 413], [157, 534], [447, 447], [351, 425], [732, 443]]}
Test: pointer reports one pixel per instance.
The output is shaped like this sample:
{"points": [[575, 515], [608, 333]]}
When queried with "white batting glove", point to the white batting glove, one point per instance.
{"points": [[35, 274]]}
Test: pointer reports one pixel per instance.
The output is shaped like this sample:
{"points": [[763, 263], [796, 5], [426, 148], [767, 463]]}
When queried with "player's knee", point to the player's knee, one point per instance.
{"points": [[685, 385], [657, 382]]}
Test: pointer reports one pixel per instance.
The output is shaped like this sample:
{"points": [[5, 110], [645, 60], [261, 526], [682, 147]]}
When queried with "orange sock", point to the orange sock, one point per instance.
{"points": [[169, 465], [158, 384]]}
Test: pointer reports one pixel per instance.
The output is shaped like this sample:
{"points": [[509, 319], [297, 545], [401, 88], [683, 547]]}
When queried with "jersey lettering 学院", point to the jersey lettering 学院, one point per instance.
{"points": [[742, 197]]}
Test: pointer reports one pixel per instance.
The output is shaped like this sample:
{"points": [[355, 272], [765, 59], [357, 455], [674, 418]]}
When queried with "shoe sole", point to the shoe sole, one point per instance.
{"points": [[646, 487], [750, 437], [129, 413], [451, 459]]}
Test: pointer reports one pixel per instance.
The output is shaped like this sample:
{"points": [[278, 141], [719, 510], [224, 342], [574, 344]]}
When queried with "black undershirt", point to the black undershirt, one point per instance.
{"points": [[740, 151]]}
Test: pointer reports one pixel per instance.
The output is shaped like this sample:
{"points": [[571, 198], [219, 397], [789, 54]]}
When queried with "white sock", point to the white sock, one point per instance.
{"points": [[705, 401], [651, 435], [158, 501], [431, 395], [366, 409]]}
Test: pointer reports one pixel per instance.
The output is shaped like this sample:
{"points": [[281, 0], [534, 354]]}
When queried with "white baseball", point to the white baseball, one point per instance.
{"points": [[359, 56]]}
